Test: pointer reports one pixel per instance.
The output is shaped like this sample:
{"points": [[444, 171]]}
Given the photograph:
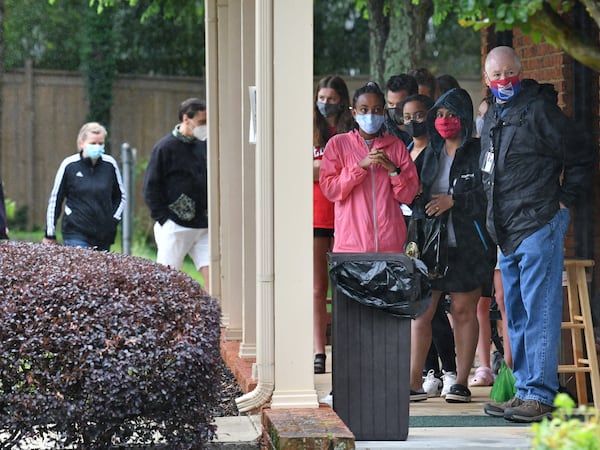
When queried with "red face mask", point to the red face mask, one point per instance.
{"points": [[448, 127]]}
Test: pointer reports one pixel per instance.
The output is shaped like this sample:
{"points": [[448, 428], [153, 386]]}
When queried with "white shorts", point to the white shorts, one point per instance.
{"points": [[174, 242]]}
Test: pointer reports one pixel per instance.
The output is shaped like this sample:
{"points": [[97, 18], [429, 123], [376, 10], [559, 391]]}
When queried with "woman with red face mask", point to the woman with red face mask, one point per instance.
{"points": [[453, 192]]}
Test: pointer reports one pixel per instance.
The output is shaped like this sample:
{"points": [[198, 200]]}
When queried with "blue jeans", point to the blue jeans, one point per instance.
{"points": [[74, 242], [533, 296]]}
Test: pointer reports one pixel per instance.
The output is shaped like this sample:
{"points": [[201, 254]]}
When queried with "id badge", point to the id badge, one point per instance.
{"points": [[488, 163]]}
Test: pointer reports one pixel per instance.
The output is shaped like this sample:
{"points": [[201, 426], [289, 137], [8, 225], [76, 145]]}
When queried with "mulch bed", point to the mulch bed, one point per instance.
{"points": [[229, 390]]}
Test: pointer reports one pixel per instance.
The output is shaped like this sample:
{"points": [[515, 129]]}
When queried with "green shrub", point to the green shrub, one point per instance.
{"points": [[570, 428], [16, 216], [99, 347]]}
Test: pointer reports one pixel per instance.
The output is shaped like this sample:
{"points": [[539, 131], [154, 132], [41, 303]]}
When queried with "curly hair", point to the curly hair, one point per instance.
{"points": [[402, 82]]}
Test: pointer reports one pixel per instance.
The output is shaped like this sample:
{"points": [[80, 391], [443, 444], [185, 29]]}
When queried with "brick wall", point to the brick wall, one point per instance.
{"points": [[547, 64]]}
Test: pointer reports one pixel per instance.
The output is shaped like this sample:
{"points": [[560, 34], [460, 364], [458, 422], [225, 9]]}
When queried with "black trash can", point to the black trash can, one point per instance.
{"points": [[371, 340]]}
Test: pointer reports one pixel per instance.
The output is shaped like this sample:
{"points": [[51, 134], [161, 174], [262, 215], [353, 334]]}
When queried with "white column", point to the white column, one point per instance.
{"points": [[292, 172], [212, 109], [248, 257], [230, 169]]}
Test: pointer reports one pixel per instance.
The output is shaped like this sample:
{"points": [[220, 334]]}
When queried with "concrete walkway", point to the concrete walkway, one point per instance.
{"points": [[240, 432], [244, 431]]}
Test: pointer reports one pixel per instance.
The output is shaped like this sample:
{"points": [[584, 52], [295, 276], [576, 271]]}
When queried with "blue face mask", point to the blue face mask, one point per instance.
{"points": [[94, 150], [370, 123]]}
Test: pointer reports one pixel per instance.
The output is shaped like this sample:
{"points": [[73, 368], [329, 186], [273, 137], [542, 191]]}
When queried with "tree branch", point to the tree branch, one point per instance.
{"points": [[593, 9], [560, 34]]}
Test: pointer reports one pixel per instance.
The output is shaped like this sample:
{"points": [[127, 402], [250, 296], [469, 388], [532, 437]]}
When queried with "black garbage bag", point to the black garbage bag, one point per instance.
{"points": [[392, 282]]}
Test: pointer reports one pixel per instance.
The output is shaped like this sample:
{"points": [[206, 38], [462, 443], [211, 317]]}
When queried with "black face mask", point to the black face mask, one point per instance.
{"points": [[329, 109], [416, 129], [395, 115]]}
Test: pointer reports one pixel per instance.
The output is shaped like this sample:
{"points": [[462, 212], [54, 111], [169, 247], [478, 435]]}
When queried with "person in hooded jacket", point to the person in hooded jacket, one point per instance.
{"points": [[453, 192], [366, 173], [437, 382], [536, 163]]}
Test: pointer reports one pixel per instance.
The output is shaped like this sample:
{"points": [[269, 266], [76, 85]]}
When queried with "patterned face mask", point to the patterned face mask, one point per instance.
{"points": [[505, 89], [328, 109]]}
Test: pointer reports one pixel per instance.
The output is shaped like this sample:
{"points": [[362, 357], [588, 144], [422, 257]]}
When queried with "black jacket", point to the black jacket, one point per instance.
{"points": [[175, 182], [2, 214], [533, 143], [468, 212], [94, 199]]}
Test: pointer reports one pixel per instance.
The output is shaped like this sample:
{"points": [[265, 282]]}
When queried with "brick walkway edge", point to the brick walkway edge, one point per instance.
{"points": [[290, 429]]}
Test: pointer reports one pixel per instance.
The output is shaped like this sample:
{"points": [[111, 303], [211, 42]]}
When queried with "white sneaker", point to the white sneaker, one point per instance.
{"points": [[432, 385], [448, 378]]}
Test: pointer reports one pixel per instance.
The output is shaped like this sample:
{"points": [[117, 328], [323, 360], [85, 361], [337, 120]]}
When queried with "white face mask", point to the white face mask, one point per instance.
{"points": [[200, 132]]}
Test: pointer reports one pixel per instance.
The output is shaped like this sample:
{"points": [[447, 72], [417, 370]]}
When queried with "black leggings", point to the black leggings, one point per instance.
{"points": [[442, 341]]}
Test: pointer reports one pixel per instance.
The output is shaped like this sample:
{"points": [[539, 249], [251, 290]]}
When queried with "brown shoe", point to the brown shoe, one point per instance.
{"points": [[497, 409], [528, 411]]}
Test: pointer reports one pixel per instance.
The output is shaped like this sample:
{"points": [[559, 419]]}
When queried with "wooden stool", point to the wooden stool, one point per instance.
{"points": [[580, 324]]}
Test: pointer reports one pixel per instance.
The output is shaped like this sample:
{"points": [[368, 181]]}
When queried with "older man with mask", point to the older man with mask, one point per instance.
{"points": [[535, 163]]}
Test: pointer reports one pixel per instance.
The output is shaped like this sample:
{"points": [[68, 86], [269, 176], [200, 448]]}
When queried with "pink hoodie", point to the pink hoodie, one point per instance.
{"points": [[368, 217]]}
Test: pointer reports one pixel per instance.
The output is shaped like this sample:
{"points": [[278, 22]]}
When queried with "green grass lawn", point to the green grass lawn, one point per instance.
{"points": [[137, 249]]}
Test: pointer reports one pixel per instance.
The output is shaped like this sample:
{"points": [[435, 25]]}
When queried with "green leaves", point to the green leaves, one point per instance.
{"points": [[571, 428]]}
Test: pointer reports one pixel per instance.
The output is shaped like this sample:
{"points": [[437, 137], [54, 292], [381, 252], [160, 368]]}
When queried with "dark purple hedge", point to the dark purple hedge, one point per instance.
{"points": [[99, 347]]}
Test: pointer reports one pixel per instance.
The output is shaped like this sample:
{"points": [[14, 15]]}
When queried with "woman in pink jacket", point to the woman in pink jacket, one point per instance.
{"points": [[368, 174]]}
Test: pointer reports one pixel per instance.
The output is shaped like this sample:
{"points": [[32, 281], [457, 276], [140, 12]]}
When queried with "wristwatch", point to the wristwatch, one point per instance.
{"points": [[395, 172]]}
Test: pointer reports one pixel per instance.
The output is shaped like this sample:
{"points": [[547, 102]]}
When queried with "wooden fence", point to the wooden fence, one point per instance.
{"points": [[43, 111]]}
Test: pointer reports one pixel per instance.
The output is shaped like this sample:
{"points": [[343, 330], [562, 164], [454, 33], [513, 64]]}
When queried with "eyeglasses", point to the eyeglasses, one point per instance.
{"points": [[419, 116]]}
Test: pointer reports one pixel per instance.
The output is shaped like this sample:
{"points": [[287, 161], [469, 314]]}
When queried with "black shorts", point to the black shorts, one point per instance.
{"points": [[465, 274], [322, 232]]}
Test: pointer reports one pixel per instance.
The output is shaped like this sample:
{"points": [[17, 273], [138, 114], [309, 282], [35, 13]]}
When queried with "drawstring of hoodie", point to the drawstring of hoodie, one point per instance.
{"points": [[374, 199]]}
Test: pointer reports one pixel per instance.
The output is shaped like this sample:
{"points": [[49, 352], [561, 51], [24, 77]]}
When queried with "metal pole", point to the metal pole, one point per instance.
{"points": [[128, 161]]}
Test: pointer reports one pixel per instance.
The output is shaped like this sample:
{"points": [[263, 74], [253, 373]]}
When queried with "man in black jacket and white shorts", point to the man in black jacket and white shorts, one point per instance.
{"points": [[175, 190]]}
